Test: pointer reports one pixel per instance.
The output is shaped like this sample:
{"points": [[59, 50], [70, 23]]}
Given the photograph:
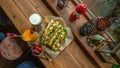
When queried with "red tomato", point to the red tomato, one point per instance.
{"points": [[40, 49], [36, 47]]}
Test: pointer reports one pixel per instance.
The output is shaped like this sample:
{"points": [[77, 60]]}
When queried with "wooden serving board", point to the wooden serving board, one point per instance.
{"points": [[75, 26]]}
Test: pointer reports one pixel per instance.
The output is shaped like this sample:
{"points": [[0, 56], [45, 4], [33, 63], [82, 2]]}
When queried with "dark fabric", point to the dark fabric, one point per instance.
{"points": [[27, 64]]}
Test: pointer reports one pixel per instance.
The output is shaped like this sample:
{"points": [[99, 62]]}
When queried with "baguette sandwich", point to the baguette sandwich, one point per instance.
{"points": [[53, 35]]}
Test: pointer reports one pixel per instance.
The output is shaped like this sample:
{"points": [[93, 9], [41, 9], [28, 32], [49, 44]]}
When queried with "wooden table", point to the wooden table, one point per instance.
{"points": [[73, 56]]}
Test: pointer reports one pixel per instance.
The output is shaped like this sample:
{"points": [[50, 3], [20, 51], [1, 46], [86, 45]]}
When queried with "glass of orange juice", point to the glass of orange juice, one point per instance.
{"points": [[29, 35]]}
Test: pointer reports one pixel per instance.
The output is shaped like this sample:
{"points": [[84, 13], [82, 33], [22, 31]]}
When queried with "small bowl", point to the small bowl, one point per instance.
{"points": [[37, 50]]}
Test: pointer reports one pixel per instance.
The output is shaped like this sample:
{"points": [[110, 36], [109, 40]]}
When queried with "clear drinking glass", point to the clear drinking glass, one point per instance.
{"points": [[36, 20]]}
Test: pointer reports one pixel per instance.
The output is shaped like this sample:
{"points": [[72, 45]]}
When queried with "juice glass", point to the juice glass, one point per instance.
{"points": [[29, 35]]}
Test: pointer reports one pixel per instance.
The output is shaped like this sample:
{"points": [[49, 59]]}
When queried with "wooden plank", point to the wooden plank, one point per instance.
{"points": [[81, 57], [52, 64], [41, 9], [75, 28], [67, 59], [16, 16], [26, 7]]}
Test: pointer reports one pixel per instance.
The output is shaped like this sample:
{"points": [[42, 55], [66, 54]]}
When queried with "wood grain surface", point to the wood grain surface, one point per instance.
{"points": [[15, 15], [73, 56], [75, 26]]}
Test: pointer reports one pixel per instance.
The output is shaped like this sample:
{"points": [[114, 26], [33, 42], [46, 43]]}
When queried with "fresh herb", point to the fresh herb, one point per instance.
{"points": [[54, 28], [41, 39]]}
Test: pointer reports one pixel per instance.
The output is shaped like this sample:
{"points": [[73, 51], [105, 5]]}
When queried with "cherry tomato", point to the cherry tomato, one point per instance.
{"points": [[40, 49], [36, 47]]}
